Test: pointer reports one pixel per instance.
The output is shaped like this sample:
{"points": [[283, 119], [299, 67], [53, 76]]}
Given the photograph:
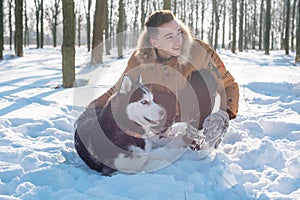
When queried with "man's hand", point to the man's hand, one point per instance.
{"points": [[214, 128]]}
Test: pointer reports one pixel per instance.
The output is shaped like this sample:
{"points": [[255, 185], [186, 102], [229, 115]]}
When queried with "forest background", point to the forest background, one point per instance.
{"points": [[102, 25]]}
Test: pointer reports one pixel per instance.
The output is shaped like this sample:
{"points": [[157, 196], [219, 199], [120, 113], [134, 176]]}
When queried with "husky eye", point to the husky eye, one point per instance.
{"points": [[144, 102]]}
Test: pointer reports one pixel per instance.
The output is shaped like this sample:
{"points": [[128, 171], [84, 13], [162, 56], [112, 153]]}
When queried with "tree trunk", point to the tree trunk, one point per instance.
{"points": [[268, 28], [202, 18], [10, 24], [111, 24], [230, 24], [175, 7], [143, 14], [19, 28], [55, 24], [37, 16], [68, 46], [261, 25], [88, 25], [223, 24], [42, 24], [293, 25], [297, 58], [246, 27], [1, 30], [254, 26], [197, 19], [287, 28], [79, 29], [167, 4], [241, 29], [97, 43], [217, 22], [191, 18], [234, 17], [212, 28], [120, 29], [26, 31], [107, 25]]}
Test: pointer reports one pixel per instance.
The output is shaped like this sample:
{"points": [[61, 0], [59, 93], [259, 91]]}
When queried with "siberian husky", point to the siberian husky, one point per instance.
{"points": [[108, 140]]}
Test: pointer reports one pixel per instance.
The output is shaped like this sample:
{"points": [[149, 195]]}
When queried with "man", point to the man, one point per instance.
{"points": [[171, 62]]}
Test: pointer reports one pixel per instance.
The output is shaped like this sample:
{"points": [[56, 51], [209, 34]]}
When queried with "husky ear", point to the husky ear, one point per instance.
{"points": [[125, 85]]}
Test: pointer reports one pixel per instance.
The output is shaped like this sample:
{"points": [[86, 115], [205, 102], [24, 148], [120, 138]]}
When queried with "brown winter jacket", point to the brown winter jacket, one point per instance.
{"points": [[195, 55]]}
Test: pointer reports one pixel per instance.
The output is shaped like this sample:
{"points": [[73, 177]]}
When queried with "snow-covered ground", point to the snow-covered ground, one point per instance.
{"points": [[258, 159]]}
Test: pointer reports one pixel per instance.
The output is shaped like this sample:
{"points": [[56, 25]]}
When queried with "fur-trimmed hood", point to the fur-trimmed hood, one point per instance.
{"points": [[146, 50]]}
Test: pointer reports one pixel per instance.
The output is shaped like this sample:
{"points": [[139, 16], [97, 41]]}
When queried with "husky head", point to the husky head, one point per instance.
{"points": [[141, 108]]}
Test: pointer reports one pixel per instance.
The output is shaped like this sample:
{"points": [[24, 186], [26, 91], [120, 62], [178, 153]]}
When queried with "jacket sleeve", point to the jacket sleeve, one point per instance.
{"points": [[101, 101], [230, 86]]}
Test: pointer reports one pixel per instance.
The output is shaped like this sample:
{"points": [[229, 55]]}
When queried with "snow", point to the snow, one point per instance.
{"points": [[258, 159]]}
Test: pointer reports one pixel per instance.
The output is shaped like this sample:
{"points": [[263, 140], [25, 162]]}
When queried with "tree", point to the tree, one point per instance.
{"points": [[260, 25], [216, 18], [79, 20], [297, 58], [52, 14], [246, 27], [88, 23], [167, 4], [293, 24], [42, 23], [202, 18], [234, 16], [26, 31], [37, 16], [97, 43], [68, 46], [120, 29], [10, 23], [107, 26], [143, 13], [268, 28], [287, 29], [57, 11], [241, 29], [254, 26], [197, 18], [1, 30], [223, 24], [19, 28], [175, 7]]}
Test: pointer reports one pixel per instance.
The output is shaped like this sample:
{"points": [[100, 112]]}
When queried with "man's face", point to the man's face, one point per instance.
{"points": [[169, 40]]}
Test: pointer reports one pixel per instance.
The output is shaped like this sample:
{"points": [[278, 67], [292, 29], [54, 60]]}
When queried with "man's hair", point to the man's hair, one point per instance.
{"points": [[157, 19]]}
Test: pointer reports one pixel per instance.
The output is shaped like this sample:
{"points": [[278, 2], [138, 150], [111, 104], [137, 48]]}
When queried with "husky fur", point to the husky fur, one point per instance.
{"points": [[113, 139]]}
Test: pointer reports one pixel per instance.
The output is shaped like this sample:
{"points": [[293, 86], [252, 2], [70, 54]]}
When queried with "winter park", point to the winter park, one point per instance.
{"points": [[120, 100]]}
